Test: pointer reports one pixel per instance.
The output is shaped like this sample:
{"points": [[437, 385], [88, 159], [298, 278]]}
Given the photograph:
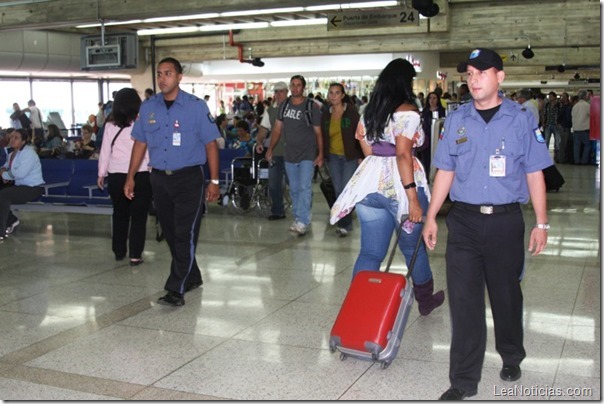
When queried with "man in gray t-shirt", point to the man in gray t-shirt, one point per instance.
{"points": [[299, 121]]}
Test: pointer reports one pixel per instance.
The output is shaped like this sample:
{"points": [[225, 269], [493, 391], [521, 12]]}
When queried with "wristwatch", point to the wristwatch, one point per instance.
{"points": [[542, 226], [215, 182]]}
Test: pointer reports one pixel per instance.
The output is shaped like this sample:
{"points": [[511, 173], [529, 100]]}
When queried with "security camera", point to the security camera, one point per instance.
{"points": [[528, 52], [257, 62], [427, 8]]}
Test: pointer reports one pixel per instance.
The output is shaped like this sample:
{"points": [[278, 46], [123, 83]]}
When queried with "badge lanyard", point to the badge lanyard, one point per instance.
{"points": [[176, 134], [497, 162]]}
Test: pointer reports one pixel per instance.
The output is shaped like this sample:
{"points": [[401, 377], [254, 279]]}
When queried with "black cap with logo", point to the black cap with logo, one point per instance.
{"points": [[482, 59]]}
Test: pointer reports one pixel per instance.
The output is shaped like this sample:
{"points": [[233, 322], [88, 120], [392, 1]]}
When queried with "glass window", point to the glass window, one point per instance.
{"points": [[53, 98], [85, 100], [12, 91], [110, 86]]}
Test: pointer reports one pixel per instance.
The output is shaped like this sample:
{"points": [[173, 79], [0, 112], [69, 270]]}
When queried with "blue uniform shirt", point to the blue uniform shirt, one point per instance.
{"points": [[156, 126], [467, 143]]}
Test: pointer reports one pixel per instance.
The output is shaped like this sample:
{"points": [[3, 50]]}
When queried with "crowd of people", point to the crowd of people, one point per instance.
{"points": [[378, 153]]}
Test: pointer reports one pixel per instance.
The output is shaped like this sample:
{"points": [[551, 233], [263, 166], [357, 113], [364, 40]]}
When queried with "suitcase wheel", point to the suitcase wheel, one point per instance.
{"points": [[343, 356], [385, 365], [332, 349]]}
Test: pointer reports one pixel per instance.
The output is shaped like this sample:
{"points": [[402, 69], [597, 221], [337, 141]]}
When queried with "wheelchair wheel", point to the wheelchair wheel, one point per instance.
{"points": [[240, 197], [262, 199]]}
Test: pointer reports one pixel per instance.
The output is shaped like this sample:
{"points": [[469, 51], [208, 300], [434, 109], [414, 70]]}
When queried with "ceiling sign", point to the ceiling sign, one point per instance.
{"points": [[400, 16]]}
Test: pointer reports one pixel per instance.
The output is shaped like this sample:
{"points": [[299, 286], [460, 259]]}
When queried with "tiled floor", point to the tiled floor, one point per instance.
{"points": [[76, 325]]}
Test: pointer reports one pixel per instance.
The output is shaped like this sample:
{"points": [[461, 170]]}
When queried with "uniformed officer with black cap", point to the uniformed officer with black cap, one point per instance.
{"points": [[489, 159], [180, 133]]}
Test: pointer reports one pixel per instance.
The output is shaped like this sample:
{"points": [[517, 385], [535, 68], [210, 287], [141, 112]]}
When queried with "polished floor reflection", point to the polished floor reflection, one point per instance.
{"points": [[76, 325]]}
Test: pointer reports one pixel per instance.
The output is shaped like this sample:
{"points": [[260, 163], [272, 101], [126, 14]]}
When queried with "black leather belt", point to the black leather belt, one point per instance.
{"points": [[489, 209], [173, 172]]}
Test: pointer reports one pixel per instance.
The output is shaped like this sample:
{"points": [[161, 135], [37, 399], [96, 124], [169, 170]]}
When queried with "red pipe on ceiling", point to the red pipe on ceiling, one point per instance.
{"points": [[238, 45]]}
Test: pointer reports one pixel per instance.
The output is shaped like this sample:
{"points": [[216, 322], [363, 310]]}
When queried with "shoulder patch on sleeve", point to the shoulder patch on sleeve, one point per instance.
{"points": [[442, 133], [211, 118], [539, 135]]}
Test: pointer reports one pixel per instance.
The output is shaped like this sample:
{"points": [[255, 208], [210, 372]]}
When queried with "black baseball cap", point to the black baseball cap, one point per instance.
{"points": [[482, 59]]}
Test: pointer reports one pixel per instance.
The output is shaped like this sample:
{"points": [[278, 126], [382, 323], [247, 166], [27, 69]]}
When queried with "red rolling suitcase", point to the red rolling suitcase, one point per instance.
{"points": [[372, 319]]}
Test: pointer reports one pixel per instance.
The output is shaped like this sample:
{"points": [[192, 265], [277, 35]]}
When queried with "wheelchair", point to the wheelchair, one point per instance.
{"points": [[248, 189]]}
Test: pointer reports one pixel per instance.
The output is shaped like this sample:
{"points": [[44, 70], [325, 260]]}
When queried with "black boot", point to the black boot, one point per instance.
{"points": [[426, 301]]}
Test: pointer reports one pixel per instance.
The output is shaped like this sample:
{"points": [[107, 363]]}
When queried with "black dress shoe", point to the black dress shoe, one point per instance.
{"points": [[276, 217], [172, 299], [193, 286], [454, 394], [510, 373]]}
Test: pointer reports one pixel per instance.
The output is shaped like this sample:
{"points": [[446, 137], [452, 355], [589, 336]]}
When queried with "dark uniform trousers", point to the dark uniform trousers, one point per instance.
{"points": [[129, 216], [179, 200], [484, 249]]}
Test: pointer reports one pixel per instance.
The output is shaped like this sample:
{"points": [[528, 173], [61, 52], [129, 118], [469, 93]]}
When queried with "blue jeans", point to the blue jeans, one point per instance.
{"points": [[549, 130], [377, 215], [300, 188], [581, 138], [276, 175], [341, 170]]}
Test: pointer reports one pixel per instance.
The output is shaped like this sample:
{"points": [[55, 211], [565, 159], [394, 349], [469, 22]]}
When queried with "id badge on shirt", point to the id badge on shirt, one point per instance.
{"points": [[497, 165], [176, 139]]}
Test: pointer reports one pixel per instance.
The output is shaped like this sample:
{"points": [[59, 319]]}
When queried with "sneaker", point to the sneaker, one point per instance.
{"points": [[11, 228], [341, 232], [299, 228], [293, 226]]}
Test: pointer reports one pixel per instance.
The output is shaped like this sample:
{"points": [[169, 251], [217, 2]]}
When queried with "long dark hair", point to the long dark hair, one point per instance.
{"points": [[393, 87], [427, 103], [126, 105], [53, 131]]}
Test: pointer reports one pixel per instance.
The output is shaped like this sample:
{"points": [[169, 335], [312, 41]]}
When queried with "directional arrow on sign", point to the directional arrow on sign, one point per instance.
{"points": [[334, 21], [399, 16]]}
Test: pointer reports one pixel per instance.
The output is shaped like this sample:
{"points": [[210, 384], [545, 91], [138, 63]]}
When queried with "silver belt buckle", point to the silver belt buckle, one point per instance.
{"points": [[486, 210]]}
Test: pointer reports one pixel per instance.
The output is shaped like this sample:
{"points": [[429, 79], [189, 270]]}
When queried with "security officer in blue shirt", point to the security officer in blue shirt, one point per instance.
{"points": [[179, 131], [489, 159]]}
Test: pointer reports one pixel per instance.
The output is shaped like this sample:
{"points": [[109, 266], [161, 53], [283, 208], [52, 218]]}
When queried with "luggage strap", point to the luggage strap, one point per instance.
{"points": [[415, 252]]}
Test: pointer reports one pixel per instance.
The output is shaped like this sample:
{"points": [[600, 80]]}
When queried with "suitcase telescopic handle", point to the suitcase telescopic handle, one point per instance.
{"points": [[415, 251]]}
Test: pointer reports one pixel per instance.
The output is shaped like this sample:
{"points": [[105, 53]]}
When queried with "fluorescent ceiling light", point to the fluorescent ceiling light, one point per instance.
{"points": [[165, 31], [183, 17], [260, 12], [343, 6], [110, 23], [293, 23], [226, 27], [203, 28]]}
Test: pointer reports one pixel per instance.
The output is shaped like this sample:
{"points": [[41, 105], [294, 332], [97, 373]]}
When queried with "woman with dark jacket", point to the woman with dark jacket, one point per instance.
{"points": [[343, 151], [432, 111]]}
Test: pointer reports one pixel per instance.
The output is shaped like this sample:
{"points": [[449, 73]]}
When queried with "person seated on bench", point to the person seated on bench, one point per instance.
{"points": [[86, 147], [129, 215], [24, 171], [53, 145]]}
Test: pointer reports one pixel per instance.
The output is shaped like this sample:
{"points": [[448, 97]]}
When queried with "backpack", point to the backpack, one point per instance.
{"points": [[307, 111]]}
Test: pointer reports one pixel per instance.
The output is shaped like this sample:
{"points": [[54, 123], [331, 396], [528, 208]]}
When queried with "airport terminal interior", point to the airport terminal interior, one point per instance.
{"points": [[77, 325]]}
